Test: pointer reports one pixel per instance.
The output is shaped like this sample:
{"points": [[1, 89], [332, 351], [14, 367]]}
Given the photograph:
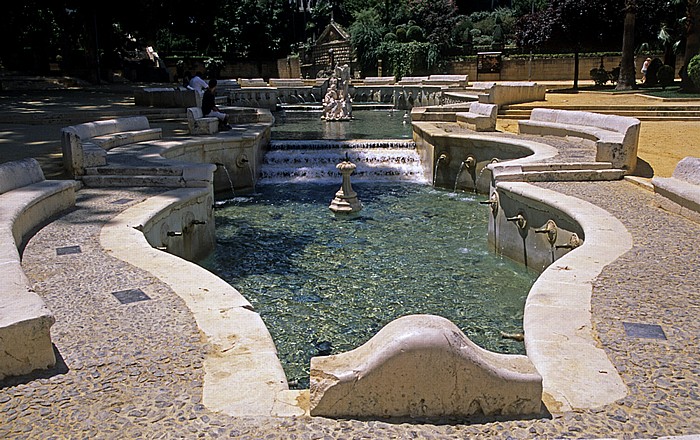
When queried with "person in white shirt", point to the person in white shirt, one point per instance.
{"points": [[198, 84]]}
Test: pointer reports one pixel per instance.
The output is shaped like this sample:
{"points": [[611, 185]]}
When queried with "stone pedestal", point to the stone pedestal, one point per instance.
{"points": [[346, 201]]}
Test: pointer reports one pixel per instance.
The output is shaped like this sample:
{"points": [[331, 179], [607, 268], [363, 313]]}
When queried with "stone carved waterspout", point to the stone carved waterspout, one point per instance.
{"points": [[337, 104]]}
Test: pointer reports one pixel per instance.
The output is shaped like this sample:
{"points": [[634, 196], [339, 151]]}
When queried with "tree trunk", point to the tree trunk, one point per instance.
{"points": [[692, 41], [692, 35], [627, 80], [576, 63]]}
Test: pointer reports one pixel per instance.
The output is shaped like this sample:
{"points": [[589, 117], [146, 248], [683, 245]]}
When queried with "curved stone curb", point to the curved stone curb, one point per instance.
{"points": [[243, 375], [559, 338]]}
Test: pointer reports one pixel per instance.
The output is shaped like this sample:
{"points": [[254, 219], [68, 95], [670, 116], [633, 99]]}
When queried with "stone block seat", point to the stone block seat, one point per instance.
{"points": [[379, 80], [459, 81], [199, 124], [510, 92], [480, 117], [616, 137], [252, 82], [86, 145], [167, 97], [412, 80], [682, 188], [287, 82], [28, 201]]}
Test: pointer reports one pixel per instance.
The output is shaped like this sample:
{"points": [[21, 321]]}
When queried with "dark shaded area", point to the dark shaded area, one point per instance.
{"points": [[643, 169], [59, 368]]}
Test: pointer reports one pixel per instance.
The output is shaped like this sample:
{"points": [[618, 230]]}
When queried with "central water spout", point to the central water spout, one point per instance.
{"points": [[346, 201]]}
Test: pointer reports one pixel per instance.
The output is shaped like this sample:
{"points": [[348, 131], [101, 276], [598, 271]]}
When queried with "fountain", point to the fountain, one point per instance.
{"points": [[337, 104], [346, 201]]}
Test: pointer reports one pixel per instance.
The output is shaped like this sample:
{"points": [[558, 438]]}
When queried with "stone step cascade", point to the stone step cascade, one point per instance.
{"points": [[316, 160]]}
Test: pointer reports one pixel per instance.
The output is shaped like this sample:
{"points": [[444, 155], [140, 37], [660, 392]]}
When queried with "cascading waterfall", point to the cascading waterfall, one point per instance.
{"points": [[315, 161]]}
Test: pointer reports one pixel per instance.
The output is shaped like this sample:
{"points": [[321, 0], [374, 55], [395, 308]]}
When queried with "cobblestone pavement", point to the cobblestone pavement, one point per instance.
{"points": [[135, 370]]}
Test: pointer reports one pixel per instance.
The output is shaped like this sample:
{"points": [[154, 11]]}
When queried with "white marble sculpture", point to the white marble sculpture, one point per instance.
{"points": [[337, 104]]}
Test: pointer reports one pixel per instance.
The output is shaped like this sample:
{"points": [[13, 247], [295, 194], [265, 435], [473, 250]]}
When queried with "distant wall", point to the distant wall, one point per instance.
{"points": [[545, 69], [513, 69]]}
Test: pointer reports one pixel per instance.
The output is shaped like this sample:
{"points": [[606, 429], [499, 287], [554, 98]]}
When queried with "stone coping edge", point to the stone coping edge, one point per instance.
{"points": [[243, 374], [559, 335]]}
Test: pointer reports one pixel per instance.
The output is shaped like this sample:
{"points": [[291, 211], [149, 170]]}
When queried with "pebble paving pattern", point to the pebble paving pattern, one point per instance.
{"points": [[135, 370]]}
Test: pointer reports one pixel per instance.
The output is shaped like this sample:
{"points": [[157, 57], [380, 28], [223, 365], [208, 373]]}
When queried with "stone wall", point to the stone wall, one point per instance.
{"points": [[545, 69]]}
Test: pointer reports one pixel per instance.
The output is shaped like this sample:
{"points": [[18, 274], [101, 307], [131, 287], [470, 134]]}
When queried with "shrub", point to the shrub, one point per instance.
{"points": [[401, 34], [694, 71], [599, 76], [390, 36], [614, 74], [665, 75], [414, 33]]}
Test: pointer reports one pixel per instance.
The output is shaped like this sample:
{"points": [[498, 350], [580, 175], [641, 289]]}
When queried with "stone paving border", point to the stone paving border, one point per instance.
{"points": [[243, 374], [557, 321]]}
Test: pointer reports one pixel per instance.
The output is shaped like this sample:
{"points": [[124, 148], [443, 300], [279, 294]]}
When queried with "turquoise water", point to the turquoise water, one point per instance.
{"points": [[325, 285], [367, 124]]}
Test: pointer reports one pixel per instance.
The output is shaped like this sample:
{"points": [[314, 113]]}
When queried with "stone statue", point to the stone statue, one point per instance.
{"points": [[337, 104]]}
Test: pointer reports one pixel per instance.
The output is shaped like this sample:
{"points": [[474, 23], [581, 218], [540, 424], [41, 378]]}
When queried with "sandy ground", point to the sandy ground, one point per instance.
{"points": [[661, 143]]}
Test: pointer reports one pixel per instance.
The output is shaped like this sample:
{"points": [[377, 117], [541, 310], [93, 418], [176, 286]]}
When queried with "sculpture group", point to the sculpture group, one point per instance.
{"points": [[337, 104]]}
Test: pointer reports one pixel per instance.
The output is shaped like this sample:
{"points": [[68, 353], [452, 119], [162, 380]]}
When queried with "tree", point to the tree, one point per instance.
{"points": [[628, 73], [692, 39], [570, 25], [366, 34]]}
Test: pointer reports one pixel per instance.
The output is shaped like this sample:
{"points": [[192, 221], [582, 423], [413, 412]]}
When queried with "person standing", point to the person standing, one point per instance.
{"points": [[645, 67], [209, 107], [198, 84]]}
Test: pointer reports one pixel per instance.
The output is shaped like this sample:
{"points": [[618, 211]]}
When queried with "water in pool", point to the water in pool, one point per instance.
{"points": [[367, 124], [325, 285]]}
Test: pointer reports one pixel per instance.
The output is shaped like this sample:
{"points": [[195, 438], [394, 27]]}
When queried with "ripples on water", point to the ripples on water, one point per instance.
{"points": [[325, 285]]}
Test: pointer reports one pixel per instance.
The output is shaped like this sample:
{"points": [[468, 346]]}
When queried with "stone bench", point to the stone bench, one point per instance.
{"points": [[423, 366], [682, 188], [412, 80], [86, 145], [379, 80], [252, 82], [199, 124], [513, 92], [28, 201], [447, 80], [616, 137], [167, 97], [480, 117], [287, 82]]}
